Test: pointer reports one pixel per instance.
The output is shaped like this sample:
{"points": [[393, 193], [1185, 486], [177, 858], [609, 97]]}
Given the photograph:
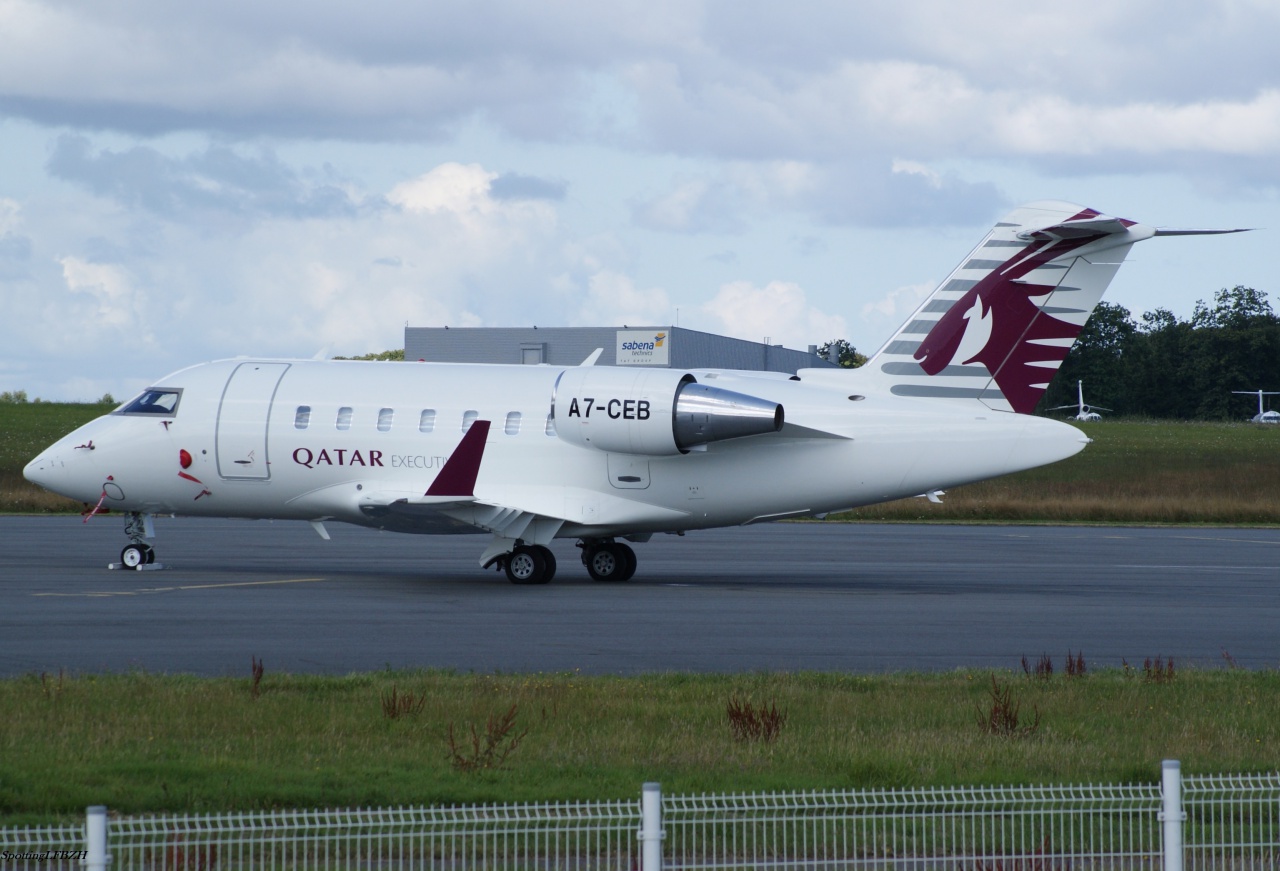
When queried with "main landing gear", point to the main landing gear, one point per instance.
{"points": [[605, 559], [608, 560], [530, 564], [137, 555]]}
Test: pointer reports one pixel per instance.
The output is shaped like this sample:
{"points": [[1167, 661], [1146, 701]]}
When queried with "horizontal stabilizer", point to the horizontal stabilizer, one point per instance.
{"points": [[1093, 225], [1160, 231]]}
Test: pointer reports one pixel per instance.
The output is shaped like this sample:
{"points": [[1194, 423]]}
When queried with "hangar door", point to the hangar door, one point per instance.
{"points": [[242, 420]]}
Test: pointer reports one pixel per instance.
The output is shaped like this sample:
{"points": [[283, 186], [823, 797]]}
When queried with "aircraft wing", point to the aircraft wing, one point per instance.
{"points": [[530, 513], [453, 488]]}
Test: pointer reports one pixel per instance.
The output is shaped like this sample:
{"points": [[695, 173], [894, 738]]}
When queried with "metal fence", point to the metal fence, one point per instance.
{"points": [[1208, 822], [1232, 822]]}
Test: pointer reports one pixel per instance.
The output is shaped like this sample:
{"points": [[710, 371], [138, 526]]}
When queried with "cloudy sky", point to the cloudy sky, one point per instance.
{"points": [[188, 181]]}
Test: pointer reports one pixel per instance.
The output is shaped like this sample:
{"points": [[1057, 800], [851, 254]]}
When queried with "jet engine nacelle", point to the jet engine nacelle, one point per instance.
{"points": [[657, 412]]}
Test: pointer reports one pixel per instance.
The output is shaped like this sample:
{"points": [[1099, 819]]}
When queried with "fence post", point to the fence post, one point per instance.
{"points": [[96, 857], [1172, 815], [651, 833]]}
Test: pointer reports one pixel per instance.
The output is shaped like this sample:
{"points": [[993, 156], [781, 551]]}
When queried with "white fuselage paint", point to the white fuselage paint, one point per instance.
{"points": [[248, 458]]}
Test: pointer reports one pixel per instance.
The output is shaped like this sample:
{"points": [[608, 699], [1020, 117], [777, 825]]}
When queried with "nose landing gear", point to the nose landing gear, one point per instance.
{"points": [[137, 555]]}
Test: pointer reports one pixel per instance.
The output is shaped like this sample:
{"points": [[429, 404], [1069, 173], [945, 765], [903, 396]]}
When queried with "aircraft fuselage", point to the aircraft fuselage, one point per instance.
{"points": [[336, 440]]}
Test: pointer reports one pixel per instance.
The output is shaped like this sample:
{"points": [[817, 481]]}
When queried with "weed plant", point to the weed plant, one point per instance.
{"points": [[148, 743]]}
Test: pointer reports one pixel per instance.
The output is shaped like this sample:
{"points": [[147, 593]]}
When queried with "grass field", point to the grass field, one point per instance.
{"points": [[1134, 472], [25, 430], [142, 743]]}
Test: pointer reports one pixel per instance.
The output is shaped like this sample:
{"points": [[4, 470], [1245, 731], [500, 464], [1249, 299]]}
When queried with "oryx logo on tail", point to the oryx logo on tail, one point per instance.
{"points": [[1002, 323], [997, 323]]}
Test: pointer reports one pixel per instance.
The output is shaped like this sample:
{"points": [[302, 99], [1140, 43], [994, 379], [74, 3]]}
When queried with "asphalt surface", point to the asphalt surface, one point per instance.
{"points": [[861, 598]]}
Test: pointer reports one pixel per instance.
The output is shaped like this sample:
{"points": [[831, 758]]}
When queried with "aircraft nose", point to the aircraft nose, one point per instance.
{"points": [[45, 470]]}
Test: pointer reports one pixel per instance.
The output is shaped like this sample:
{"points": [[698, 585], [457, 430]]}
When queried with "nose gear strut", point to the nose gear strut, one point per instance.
{"points": [[137, 554]]}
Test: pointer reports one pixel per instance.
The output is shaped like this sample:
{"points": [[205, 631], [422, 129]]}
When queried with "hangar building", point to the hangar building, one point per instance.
{"points": [[670, 347]]}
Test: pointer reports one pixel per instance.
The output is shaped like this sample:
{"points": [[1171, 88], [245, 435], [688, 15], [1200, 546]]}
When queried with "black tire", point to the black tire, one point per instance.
{"points": [[526, 565], [135, 555], [550, 559], [605, 563], [627, 557]]}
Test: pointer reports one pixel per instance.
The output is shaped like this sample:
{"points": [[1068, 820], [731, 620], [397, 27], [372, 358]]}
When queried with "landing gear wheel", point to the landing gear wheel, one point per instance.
{"points": [[628, 559], [530, 565], [136, 555], [611, 561], [550, 559]]}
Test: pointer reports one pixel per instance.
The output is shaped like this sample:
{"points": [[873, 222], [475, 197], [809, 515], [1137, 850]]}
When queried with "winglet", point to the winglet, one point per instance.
{"points": [[458, 477], [594, 356]]}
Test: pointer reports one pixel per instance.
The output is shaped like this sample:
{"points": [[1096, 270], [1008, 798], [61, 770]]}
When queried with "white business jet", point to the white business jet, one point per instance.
{"points": [[529, 454], [1084, 413], [1262, 416]]}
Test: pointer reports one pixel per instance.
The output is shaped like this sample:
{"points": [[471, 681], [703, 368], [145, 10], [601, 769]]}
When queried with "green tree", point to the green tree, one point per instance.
{"points": [[377, 355], [1159, 368], [1237, 347], [13, 397], [848, 355], [1239, 308], [1097, 359]]}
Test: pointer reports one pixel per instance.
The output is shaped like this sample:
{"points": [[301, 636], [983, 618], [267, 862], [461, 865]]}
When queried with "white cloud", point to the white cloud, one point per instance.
{"points": [[116, 308], [680, 210], [450, 187], [10, 216], [613, 298], [778, 311], [247, 178], [899, 302], [1050, 125], [911, 167]]}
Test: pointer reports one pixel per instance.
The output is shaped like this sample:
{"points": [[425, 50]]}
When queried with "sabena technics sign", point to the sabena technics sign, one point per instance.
{"points": [[644, 347]]}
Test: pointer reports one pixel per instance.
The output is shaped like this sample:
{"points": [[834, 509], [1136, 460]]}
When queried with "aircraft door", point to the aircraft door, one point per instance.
{"points": [[243, 417]]}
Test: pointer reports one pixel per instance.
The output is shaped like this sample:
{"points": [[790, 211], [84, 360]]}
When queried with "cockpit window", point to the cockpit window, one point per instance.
{"points": [[154, 401]]}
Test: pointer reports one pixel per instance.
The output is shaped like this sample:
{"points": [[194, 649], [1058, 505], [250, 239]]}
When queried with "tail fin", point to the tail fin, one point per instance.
{"points": [[1001, 324]]}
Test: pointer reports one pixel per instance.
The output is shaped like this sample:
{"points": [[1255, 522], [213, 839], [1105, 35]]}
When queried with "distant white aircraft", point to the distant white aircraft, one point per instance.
{"points": [[1084, 412], [529, 454], [1262, 416]]}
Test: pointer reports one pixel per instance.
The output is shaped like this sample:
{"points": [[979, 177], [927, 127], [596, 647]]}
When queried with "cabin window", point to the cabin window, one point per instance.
{"points": [[385, 417], [155, 401], [427, 420], [343, 422], [513, 423], [550, 428], [468, 418], [302, 417]]}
